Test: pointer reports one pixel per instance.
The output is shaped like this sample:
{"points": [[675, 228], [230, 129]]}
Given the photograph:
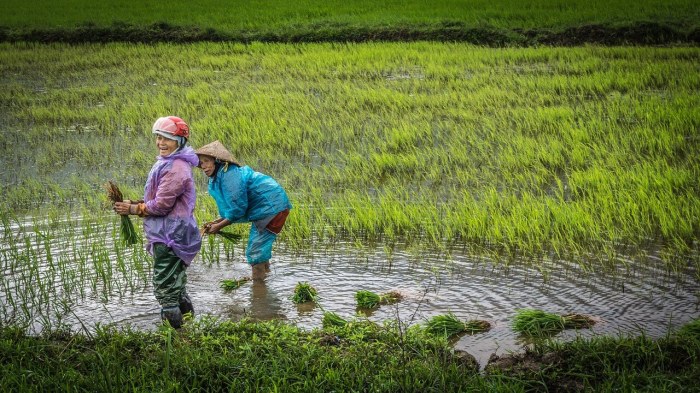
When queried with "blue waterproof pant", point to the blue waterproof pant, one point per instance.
{"points": [[260, 243]]}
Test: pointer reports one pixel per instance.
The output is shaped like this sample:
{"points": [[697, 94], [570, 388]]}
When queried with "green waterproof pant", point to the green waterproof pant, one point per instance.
{"points": [[169, 276]]}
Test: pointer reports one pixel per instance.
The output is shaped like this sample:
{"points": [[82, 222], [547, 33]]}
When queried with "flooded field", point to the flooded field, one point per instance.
{"points": [[81, 283]]}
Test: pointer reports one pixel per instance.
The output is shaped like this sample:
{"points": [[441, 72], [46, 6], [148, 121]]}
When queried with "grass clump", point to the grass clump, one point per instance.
{"points": [[537, 322], [209, 354], [449, 325], [369, 299], [128, 233], [690, 330], [304, 292], [233, 284]]}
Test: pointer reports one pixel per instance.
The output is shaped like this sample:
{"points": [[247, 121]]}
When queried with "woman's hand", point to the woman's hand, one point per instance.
{"points": [[213, 227], [122, 208]]}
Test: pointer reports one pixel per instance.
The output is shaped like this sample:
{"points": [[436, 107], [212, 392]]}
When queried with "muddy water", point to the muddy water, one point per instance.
{"points": [[645, 299]]}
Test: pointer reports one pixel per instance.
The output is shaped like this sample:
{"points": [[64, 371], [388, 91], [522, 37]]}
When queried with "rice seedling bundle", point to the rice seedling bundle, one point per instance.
{"points": [[537, 322], [367, 299], [390, 298], [577, 321], [449, 325], [304, 292], [232, 284], [128, 233], [333, 319]]}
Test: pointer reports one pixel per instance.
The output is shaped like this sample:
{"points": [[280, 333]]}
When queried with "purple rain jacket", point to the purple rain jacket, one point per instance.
{"points": [[170, 197]]}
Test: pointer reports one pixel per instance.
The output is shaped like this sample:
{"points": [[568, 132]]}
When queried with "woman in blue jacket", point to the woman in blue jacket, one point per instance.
{"points": [[243, 195]]}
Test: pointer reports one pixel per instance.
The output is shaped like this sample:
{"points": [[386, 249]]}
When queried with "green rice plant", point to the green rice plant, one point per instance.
{"points": [[233, 284], [232, 237], [369, 299], [304, 292], [597, 155], [577, 321], [331, 319], [537, 322], [128, 233], [449, 325], [390, 297]]}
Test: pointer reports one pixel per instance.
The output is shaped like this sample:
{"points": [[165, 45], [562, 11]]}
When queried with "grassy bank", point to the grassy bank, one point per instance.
{"points": [[499, 22], [249, 356], [583, 152]]}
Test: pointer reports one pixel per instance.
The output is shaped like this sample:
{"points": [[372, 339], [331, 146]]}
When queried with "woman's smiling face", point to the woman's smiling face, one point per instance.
{"points": [[165, 146]]}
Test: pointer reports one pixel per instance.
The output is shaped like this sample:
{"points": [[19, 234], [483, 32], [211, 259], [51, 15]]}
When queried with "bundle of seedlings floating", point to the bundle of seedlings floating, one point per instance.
{"points": [[333, 319], [537, 322], [230, 285], [369, 299], [128, 233], [303, 293], [449, 325]]}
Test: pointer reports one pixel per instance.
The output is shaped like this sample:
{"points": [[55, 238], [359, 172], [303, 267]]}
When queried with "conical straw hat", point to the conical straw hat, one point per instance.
{"points": [[217, 150]]}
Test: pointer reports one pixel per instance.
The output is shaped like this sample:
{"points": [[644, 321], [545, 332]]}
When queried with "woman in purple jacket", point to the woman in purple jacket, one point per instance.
{"points": [[168, 212]]}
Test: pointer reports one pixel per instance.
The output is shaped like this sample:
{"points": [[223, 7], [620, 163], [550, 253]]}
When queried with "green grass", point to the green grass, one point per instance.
{"points": [[276, 14], [211, 355], [581, 153]]}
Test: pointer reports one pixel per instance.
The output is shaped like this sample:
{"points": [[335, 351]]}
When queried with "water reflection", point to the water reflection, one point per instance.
{"points": [[265, 304]]}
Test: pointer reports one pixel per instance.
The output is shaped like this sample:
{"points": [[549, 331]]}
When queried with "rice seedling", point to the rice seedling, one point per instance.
{"points": [[596, 157], [232, 237], [390, 297], [128, 233], [331, 319], [304, 292], [577, 321], [449, 325], [537, 322], [233, 284], [367, 299]]}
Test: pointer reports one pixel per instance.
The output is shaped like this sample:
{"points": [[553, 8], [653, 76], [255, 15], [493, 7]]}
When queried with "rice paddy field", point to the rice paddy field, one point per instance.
{"points": [[494, 23], [475, 181]]}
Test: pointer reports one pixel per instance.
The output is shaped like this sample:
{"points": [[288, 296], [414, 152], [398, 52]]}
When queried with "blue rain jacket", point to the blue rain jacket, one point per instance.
{"points": [[243, 195]]}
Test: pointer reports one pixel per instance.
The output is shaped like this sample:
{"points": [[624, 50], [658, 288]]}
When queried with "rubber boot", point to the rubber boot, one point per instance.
{"points": [[186, 305], [172, 315]]}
